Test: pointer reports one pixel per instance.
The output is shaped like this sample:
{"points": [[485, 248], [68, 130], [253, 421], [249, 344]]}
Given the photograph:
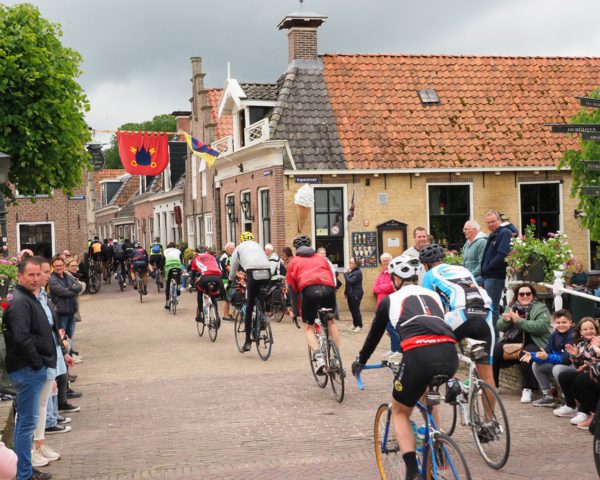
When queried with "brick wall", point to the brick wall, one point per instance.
{"points": [[302, 44]]}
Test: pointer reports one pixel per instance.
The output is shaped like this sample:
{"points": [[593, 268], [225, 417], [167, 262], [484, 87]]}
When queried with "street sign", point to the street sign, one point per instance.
{"points": [[307, 180], [97, 161], [77, 197], [592, 165], [574, 127], [593, 137], [590, 191], [589, 102]]}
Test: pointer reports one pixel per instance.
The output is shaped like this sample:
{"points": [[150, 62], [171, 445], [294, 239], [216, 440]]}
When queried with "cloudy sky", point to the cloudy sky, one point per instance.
{"points": [[137, 52]]}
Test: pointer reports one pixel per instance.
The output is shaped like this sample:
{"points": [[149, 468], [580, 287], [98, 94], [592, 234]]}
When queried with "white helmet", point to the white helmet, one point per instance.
{"points": [[404, 266]]}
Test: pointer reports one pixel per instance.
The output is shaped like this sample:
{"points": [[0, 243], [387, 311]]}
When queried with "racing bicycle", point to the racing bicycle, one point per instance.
{"points": [[173, 290], [209, 317]]}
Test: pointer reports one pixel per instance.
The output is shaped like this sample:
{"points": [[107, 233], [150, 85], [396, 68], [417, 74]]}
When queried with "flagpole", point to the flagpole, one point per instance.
{"points": [[133, 131]]}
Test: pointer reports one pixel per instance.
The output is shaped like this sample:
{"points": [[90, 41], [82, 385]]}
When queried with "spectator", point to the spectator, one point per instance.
{"points": [[493, 263], [579, 279], [530, 319], [30, 351], [287, 256], [23, 254], [473, 247], [382, 288], [225, 264], [354, 293], [277, 267], [421, 241], [321, 251], [548, 363], [8, 463], [577, 384]]}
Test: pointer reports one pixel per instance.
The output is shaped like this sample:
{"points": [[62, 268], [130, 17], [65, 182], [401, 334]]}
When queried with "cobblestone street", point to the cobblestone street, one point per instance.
{"points": [[160, 402]]}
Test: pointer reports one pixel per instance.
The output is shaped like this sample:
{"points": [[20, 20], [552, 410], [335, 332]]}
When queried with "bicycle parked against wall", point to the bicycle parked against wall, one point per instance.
{"points": [[439, 456], [334, 371], [261, 332], [479, 407], [210, 312], [276, 302]]}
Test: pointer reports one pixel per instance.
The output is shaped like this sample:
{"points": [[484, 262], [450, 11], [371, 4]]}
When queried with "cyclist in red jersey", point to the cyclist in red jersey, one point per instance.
{"points": [[206, 267], [310, 274]]}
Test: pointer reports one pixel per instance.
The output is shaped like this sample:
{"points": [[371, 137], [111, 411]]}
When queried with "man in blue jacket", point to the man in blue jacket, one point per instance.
{"points": [[493, 262]]}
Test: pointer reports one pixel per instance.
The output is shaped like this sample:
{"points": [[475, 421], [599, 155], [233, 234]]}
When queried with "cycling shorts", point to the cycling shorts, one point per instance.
{"points": [[205, 280], [417, 368], [156, 259], [315, 297], [476, 324], [140, 267]]}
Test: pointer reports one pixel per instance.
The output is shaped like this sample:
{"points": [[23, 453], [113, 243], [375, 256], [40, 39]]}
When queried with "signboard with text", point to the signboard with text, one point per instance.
{"points": [[574, 127], [364, 249], [593, 137], [589, 102], [308, 180], [590, 191]]}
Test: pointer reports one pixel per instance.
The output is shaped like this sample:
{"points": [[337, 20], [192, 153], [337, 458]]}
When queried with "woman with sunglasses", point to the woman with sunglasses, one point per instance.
{"points": [[532, 319]]}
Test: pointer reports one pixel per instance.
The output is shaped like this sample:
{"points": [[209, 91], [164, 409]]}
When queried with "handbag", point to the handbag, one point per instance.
{"points": [[513, 349]]}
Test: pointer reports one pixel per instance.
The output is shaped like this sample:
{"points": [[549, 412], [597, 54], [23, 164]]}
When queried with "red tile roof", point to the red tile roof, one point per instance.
{"points": [[106, 174], [225, 123], [491, 113]]}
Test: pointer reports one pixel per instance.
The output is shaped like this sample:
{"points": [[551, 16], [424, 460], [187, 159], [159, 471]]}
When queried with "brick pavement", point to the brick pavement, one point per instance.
{"points": [[160, 402]]}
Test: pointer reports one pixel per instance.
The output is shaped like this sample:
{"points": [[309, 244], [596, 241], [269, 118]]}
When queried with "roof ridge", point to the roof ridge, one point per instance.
{"points": [[284, 92], [442, 55]]}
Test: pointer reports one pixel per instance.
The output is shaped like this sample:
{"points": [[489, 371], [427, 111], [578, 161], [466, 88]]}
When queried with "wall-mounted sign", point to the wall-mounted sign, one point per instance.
{"points": [[364, 249], [590, 191], [97, 160], [77, 197], [593, 137], [307, 180], [589, 102], [592, 165], [574, 127], [267, 173]]}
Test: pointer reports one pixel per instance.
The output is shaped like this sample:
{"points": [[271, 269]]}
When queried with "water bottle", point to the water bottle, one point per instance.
{"points": [[413, 425], [465, 387], [420, 440]]}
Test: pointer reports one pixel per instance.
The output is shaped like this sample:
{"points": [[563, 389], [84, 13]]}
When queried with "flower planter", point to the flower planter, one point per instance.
{"points": [[536, 269]]}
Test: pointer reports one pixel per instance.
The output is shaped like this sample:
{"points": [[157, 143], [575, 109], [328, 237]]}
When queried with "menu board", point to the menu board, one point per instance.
{"points": [[364, 249]]}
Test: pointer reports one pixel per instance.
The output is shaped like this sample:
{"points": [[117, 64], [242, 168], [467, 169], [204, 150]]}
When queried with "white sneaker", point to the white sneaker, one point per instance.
{"points": [[38, 460], [526, 396], [320, 361], [77, 359], [564, 411], [579, 418], [48, 453], [357, 329]]}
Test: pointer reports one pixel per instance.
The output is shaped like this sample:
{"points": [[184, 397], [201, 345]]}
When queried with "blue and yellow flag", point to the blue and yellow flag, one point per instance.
{"points": [[201, 150]]}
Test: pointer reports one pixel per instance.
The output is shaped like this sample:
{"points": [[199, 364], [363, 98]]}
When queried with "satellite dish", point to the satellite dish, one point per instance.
{"points": [[97, 160]]}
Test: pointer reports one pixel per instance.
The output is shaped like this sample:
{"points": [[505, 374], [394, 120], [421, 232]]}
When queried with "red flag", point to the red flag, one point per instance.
{"points": [[143, 153]]}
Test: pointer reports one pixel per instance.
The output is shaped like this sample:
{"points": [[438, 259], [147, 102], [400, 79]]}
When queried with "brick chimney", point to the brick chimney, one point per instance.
{"points": [[302, 34]]}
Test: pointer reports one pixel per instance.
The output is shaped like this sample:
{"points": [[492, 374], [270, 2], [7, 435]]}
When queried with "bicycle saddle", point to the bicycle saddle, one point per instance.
{"points": [[438, 380]]}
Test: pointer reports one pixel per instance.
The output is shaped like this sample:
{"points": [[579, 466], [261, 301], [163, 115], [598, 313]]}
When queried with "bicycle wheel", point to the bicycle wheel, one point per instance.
{"points": [[450, 463], [121, 282], [239, 330], [597, 448], [387, 450], [213, 322], [336, 371], [173, 296], [489, 425], [157, 277], [320, 379], [264, 342], [94, 283], [446, 414], [199, 325], [140, 285]]}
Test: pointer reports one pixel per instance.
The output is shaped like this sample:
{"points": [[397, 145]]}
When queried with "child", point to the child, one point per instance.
{"points": [[577, 384], [554, 356]]}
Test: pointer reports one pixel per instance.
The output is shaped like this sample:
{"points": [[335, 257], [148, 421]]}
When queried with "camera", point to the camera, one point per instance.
{"points": [[522, 312]]}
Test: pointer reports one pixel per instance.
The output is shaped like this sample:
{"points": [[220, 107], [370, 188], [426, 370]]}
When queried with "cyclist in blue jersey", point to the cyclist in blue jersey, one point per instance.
{"points": [[468, 306]]}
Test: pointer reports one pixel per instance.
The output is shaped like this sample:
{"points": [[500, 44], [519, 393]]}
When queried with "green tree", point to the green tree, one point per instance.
{"points": [[575, 160], [160, 123], [42, 125]]}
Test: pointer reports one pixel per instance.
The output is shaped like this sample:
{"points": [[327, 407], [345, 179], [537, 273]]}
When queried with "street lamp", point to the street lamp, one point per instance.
{"points": [[230, 207], [245, 203], [4, 166]]}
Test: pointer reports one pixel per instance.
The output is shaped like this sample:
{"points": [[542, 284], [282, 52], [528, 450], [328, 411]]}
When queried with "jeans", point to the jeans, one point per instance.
{"points": [[394, 337], [28, 383], [52, 411], [67, 321], [494, 288], [543, 373]]}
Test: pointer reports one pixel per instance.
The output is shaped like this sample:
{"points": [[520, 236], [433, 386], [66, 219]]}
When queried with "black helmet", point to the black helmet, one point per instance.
{"points": [[432, 253], [302, 241]]}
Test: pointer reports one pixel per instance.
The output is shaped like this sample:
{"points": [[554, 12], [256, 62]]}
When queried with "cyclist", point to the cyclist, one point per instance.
{"points": [[107, 254], [468, 307], [119, 259], [139, 266], [309, 274], [157, 256], [173, 267], [428, 343], [206, 268], [95, 251], [250, 256]]}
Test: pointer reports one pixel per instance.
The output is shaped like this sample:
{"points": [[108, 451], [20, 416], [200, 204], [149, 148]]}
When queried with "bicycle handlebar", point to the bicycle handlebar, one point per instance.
{"points": [[369, 366]]}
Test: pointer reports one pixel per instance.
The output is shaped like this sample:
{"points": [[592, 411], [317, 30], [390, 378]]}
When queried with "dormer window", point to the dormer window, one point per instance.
{"points": [[109, 189], [429, 97]]}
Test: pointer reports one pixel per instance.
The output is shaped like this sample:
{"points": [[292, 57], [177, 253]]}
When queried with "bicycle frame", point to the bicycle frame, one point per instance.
{"points": [[474, 381]]}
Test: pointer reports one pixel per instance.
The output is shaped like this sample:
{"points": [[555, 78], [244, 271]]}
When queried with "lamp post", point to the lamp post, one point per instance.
{"points": [[230, 207], [245, 203], [4, 166]]}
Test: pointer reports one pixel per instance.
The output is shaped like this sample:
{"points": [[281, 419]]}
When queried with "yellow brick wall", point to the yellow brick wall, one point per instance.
{"points": [[407, 196]]}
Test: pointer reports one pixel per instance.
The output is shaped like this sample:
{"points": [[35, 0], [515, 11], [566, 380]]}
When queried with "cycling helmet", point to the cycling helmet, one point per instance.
{"points": [[302, 241], [246, 236], [432, 253], [137, 245], [404, 266], [157, 239]]}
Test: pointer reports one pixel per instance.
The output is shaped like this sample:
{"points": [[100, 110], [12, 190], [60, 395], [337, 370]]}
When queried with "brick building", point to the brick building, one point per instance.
{"points": [[408, 140]]}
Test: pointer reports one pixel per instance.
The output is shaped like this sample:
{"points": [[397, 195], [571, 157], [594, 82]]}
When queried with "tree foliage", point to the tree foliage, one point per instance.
{"points": [[160, 123], [575, 160], [42, 125]]}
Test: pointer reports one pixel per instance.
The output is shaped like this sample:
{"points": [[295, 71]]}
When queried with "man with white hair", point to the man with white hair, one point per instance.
{"points": [[473, 247], [277, 267], [225, 264]]}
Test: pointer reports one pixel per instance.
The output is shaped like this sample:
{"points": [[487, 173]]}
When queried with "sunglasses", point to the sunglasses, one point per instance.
{"points": [[525, 294]]}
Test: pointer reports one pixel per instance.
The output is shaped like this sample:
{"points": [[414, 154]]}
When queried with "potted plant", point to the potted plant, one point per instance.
{"points": [[8, 276], [536, 259], [453, 258]]}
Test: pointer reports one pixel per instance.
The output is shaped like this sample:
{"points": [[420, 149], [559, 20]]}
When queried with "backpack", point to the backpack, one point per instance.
{"points": [[118, 250], [139, 257], [156, 249]]}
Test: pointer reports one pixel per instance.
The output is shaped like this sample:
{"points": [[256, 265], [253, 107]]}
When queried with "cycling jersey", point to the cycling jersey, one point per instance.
{"points": [[307, 268], [248, 255], [172, 260], [205, 264], [95, 248], [139, 258]]}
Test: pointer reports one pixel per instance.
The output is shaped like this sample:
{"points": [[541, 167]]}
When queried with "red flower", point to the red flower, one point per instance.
{"points": [[4, 305], [532, 220]]}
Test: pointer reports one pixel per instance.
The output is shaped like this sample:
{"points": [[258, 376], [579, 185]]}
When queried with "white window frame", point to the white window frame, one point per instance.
{"points": [[208, 230], [344, 188], [261, 233], [243, 218], [41, 195], [199, 230], [194, 178], [52, 233], [203, 174], [228, 222], [442, 184]]}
